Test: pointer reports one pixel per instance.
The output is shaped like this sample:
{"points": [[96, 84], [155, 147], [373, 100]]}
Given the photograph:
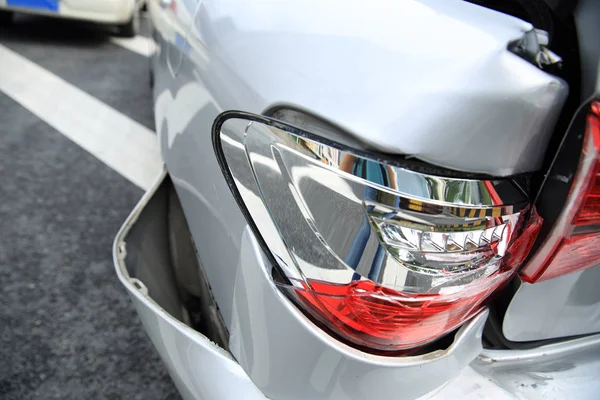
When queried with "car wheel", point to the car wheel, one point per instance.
{"points": [[6, 17], [131, 27]]}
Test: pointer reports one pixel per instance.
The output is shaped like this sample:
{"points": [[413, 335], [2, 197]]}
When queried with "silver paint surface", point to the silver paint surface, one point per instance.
{"points": [[431, 79], [568, 305], [568, 369]]}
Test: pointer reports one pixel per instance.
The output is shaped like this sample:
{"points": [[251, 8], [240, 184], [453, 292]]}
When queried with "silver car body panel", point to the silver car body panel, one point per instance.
{"points": [[202, 370], [568, 305], [431, 79], [544, 373], [556, 371]]}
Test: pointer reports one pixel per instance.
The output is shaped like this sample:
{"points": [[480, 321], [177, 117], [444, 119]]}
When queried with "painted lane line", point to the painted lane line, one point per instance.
{"points": [[124, 145], [140, 44]]}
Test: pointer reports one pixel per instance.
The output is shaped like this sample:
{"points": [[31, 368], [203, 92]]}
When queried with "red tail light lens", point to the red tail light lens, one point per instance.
{"points": [[573, 254], [574, 243], [377, 317], [589, 211]]}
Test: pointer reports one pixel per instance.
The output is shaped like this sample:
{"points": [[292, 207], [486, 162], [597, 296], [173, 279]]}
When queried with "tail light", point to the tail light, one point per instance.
{"points": [[385, 257], [574, 243]]}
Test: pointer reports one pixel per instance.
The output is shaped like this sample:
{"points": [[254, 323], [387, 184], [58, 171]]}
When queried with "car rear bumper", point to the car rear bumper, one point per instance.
{"points": [[106, 11], [277, 353], [561, 370], [200, 368]]}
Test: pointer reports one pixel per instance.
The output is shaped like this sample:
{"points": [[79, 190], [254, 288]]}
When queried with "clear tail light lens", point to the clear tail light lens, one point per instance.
{"points": [[387, 258], [574, 243]]}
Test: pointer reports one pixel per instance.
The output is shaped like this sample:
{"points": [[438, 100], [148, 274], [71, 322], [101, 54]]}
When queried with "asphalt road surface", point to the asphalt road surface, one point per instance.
{"points": [[67, 328]]}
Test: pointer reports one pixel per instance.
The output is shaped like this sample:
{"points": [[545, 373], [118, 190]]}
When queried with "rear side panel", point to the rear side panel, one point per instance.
{"points": [[553, 372], [565, 306], [568, 305]]}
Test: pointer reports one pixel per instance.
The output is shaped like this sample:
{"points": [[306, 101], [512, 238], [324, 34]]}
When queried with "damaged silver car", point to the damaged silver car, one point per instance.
{"points": [[364, 200]]}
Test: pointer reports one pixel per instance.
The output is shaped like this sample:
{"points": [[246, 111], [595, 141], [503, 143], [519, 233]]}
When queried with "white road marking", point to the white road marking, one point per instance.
{"points": [[139, 44], [121, 143]]}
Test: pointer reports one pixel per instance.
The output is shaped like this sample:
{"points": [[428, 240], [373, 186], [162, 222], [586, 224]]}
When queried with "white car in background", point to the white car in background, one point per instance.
{"points": [[121, 13]]}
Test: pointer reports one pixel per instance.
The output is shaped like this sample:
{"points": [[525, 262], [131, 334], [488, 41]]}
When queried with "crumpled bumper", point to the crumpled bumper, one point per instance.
{"points": [[201, 369]]}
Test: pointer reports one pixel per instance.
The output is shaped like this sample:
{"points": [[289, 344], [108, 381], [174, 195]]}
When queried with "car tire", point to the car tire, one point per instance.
{"points": [[6, 18], [131, 28]]}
